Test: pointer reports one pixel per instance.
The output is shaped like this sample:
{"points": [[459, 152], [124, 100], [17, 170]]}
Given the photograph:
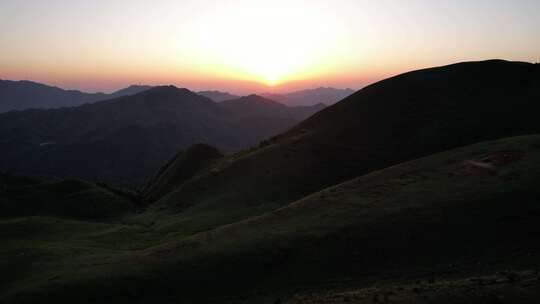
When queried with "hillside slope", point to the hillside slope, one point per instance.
{"points": [[398, 119], [181, 168], [458, 218]]}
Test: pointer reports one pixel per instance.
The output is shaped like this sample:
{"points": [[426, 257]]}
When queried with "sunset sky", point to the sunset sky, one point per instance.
{"points": [[252, 46]]}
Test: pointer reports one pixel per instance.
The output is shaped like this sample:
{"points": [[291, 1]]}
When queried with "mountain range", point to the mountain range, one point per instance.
{"points": [[324, 95], [218, 96], [126, 139], [421, 188], [23, 95], [308, 97]]}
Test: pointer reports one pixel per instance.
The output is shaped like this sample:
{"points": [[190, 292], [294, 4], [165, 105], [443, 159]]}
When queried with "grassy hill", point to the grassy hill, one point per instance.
{"points": [[422, 231], [398, 119], [22, 196], [181, 168]]}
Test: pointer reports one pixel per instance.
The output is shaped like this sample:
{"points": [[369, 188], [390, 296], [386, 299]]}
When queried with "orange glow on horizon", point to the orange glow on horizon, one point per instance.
{"points": [[252, 46]]}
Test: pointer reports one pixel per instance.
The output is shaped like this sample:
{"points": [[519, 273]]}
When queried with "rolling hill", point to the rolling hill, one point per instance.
{"points": [[180, 168], [398, 119], [75, 199], [126, 139], [454, 227]]}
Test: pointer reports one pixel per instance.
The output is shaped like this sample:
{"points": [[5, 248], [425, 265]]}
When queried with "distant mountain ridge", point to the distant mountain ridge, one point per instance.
{"points": [[24, 94], [218, 96], [131, 90], [308, 97], [126, 139], [325, 95], [256, 105]]}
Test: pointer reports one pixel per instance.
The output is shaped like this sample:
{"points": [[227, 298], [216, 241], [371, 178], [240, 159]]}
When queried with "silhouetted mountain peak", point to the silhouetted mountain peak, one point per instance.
{"points": [[218, 96], [325, 95], [169, 90], [256, 99], [25, 94], [319, 105], [131, 90], [138, 86], [164, 88]]}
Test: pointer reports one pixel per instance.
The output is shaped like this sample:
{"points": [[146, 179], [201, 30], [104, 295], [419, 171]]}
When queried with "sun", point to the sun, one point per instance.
{"points": [[263, 42], [271, 80], [272, 73]]}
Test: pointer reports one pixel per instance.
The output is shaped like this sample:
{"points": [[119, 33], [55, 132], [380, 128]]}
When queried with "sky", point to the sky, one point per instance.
{"points": [[245, 46]]}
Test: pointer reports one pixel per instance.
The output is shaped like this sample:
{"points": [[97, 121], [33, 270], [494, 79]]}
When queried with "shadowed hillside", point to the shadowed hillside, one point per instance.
{"points": [[425, 227], [398, 119], [179, 169]]}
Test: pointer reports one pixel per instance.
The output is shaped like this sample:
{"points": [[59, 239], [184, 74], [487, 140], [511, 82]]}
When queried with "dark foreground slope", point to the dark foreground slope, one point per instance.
{"points": [[125, 140], [395, 120], [457, 227]]}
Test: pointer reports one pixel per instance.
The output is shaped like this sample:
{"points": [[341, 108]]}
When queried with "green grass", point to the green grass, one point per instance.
{"points": [[502, 287], [62, 198], [437, 216]]}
